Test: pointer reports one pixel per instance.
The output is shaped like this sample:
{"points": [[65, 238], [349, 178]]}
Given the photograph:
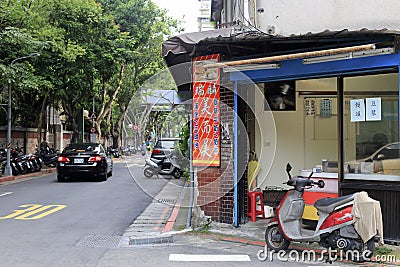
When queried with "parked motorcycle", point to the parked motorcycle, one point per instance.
{"points": [[164, 166], [20, 164], [3, 163], [26, 164], [335, 228], [49, 160], [17, 162], [113, 151], [35, 162]]}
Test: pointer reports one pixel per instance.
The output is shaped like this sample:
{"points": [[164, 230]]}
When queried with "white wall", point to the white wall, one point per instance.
{"points": [[290, 136], [299, 17], [279, 140]]}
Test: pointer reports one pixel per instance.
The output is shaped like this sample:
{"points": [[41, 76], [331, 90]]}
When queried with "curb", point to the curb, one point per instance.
{"points": [[175, 211], [4, 179]]}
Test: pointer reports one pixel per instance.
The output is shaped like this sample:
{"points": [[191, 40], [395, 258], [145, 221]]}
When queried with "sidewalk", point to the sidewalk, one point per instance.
{"points": [[44, 171], [167, 216], [155, 224]]}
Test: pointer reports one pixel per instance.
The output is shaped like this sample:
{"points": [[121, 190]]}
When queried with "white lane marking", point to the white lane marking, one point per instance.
{"points": [[5, 194], [206, 257]]}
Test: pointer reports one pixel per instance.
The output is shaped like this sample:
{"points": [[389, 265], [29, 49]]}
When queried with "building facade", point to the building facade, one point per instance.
{"points": [[327, 99]]}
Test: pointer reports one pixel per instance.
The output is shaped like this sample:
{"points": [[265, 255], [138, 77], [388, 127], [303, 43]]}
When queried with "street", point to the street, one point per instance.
{"points": [[82, 223], [202, 251], [43, 222]]}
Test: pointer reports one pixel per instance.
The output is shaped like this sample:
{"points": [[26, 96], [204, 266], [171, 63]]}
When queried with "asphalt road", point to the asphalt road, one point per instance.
{"points": [[81, 222], [46, 223]]}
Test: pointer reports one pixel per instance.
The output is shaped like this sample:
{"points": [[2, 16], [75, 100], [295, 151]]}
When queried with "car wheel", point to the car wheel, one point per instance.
{"points": [[60, 178], [110, 172], [103, 177]]}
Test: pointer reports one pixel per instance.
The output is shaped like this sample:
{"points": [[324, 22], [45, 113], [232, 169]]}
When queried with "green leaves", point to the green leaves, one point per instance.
{"points": [[102, 50]]}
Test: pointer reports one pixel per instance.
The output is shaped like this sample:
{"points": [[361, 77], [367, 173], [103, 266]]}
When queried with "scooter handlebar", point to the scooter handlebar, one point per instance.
{"points": [[300, 183], [320, 183]]}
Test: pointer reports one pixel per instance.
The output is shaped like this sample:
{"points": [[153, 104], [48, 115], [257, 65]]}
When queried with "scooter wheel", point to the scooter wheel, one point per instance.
{"points": [[148, 172], [368, 251], [275, 239], [177, 174]]}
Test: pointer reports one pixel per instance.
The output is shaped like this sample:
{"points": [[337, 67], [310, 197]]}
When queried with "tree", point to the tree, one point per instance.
{"points": [[90, 49], [145, 27]]}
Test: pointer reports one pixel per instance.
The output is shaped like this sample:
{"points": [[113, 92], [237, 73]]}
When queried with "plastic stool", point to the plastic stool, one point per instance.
{"points": [[252, 205]]}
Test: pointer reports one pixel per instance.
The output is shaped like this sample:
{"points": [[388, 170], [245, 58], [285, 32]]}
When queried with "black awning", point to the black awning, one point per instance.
{"points": [[180, 49], [233, 45]]}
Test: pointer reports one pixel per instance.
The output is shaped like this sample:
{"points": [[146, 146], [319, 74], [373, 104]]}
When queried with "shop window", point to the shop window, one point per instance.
{"points": [[371, 114], [280, 96]]}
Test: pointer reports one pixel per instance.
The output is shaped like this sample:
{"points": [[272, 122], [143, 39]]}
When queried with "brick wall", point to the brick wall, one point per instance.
{"points": [[209, 192], [27, 137], [227, 115], [215, 185]]}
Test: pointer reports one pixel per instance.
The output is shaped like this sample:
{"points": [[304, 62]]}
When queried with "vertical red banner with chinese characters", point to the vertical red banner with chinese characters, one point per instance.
{"points": [[206, 112]]}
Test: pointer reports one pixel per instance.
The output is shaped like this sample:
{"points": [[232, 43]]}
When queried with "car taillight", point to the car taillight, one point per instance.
{"points": [[62, 159], [156, 151], [95, 159]]}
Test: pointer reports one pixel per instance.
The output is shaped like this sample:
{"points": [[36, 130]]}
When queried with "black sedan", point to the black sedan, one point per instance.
{"points": [[79, 159]]}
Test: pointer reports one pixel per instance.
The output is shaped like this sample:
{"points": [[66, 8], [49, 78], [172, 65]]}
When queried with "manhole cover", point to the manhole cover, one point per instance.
{"points": [[99, 241]]}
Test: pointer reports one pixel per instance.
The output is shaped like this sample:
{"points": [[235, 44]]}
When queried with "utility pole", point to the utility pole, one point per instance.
{"points": [[7, 169]]}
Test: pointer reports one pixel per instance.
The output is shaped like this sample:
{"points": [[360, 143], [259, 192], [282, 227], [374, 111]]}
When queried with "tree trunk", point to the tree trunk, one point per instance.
{"points": [[107, 106], [41, 114]]}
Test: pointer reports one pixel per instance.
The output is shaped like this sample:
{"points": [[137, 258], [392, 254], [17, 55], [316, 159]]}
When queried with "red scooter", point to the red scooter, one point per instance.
{"points": [[335, 228]]}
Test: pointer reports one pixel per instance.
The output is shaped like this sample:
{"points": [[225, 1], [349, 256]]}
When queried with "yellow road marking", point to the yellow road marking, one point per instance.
{"points": [[32, 209]]}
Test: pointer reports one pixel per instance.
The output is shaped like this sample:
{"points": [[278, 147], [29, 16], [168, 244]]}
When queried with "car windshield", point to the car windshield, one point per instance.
{"points": [[81, 148], [166, 144]]}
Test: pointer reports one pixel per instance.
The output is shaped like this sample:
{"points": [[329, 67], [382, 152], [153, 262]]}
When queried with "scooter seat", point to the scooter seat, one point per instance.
{"points": [[327, 205]]}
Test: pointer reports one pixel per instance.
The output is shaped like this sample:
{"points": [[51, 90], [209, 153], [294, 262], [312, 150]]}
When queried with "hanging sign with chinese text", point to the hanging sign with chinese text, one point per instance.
{"points": [[206, 112]]}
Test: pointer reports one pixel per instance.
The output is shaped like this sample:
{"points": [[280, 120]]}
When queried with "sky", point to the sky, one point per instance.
{"points": [[185, 10]]}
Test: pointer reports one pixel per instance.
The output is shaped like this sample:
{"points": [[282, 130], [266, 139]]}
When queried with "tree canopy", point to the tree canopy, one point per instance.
{"points": [[91, 52]]}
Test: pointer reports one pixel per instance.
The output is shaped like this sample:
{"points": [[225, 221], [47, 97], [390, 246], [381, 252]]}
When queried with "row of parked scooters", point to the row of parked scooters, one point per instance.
{"points": [[22, 164]]}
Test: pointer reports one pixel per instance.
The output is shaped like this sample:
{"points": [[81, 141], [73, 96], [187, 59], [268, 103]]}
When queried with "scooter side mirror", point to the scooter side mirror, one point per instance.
{"points": [[321, 184], [288, 167]]}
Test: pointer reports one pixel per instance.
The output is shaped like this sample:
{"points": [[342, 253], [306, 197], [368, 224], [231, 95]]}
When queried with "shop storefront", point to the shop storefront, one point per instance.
{"points": [[346, 115], [336, 112]]}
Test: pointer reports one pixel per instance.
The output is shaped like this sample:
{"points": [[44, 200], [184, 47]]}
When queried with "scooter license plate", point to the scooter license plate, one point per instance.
{"points": [[79, 160]]}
